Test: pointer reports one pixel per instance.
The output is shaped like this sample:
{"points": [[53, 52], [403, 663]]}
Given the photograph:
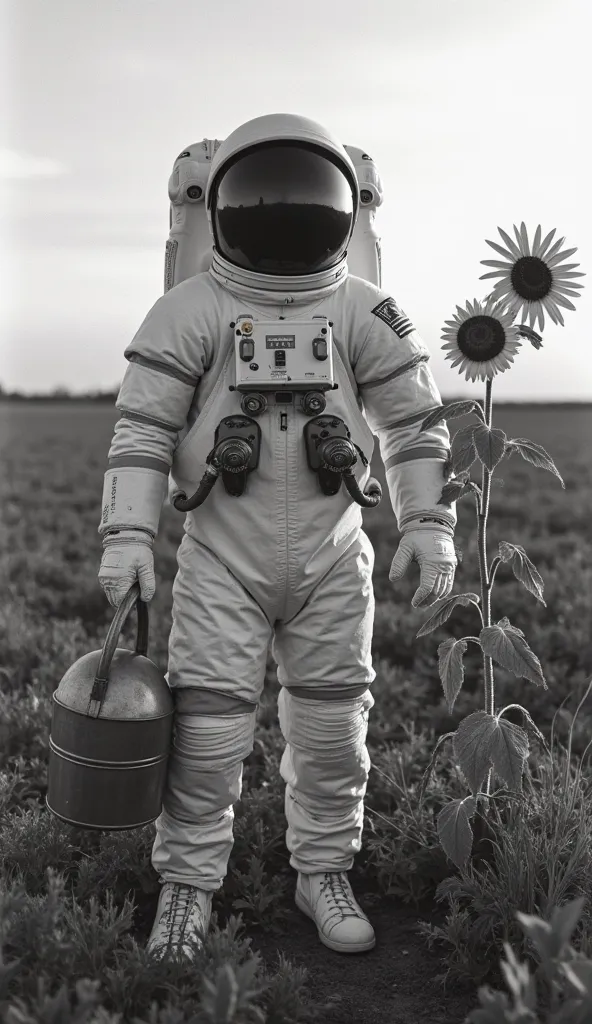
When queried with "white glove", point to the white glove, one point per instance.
{"points": [[434, 552], [127, 557]]}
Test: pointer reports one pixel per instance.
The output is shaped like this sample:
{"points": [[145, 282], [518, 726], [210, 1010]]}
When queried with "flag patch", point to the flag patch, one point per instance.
{"points": [[394, 317]]}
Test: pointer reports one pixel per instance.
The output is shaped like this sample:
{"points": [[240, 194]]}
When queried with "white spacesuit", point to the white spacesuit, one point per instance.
{"points": [[262, 380]]}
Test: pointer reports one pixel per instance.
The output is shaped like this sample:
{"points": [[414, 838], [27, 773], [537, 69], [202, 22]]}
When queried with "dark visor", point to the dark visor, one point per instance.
{"points": [[282, 208]]}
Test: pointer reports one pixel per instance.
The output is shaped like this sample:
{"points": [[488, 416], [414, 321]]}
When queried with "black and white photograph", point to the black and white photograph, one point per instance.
{"points": [[295, 512]]}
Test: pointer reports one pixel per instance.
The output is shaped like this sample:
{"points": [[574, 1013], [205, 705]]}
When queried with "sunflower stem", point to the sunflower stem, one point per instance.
{"points": [[493, 569], [486, 582]]}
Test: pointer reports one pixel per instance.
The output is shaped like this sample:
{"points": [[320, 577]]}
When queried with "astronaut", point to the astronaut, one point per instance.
{"points": [[273, 546]]}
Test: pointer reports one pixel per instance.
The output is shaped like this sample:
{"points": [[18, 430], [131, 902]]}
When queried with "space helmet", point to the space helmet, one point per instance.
{"points": [[282, 197]]}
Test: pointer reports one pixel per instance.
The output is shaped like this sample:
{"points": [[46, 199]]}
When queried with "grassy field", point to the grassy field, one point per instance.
{"points": [[86, 900]]}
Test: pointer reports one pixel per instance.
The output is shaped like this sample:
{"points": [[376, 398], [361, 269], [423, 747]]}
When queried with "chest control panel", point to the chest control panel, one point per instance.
{"points": [[295, 355]]}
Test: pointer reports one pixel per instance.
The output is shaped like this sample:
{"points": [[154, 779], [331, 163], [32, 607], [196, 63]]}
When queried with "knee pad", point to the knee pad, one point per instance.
{"points": [[324, 726], [326, 753], [205, 764]]}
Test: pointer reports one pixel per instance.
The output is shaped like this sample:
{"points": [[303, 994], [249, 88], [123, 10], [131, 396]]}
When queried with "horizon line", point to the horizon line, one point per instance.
{"points": [[106, 395]]}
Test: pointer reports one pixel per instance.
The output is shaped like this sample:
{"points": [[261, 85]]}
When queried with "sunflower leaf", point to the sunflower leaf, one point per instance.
{"points": [[490, 444], [463, 448], [523, 568], [535, 454], [444, 611], [506, 645], [453, 491], [483, 740], [451, 668], [528, 722], [450, 411], [454, 832], [527, 332]]}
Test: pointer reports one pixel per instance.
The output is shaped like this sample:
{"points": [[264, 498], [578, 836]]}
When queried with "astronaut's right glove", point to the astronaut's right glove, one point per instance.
{"points": [[131, 506], [127, 557]]}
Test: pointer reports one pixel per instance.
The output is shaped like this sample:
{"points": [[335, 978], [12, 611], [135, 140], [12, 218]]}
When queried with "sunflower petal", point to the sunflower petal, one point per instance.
{"points": [[492, 273], [572, 266], [502, 251], [563, 302], [524, 237], [536, 241], [549, 305], [504, 292], [554, 249], [546, 242], [518, 239], [554, 311], [560, 256], [562, 289], [496, 263], [510, 243], [497, 308]]}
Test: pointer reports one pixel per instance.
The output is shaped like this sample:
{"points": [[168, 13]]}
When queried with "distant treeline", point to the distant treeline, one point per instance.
{"points": [[62, 394]]}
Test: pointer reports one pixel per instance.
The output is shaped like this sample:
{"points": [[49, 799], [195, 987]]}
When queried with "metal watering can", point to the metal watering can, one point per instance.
{"points": [[110, 735]]}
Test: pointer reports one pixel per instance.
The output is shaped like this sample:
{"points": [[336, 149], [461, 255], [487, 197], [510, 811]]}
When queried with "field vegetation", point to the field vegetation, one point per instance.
{"points": [[76, 906]]}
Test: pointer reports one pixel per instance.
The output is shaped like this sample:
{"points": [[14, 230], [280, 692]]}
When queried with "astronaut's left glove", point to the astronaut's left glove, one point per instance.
{"points": [[433, 550], [427, 526]]}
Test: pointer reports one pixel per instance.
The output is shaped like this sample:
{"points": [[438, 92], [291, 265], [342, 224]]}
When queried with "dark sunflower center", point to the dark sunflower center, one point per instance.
{"points": [[481, 338], [531, 278]]}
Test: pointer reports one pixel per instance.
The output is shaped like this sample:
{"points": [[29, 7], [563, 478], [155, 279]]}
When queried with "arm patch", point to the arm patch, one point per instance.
{"points": [[393, 316]]}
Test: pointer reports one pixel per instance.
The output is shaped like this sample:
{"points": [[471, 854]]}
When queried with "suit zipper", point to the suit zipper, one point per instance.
{"points": [[284, 427]]}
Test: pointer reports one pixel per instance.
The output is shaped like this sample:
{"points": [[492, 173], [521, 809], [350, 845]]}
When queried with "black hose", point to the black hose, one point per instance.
{"points": [[368, 498], [185, 504]]}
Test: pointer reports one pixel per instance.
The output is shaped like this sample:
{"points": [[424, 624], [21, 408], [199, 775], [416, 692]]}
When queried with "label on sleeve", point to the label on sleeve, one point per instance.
{"points": [[393, 316]]}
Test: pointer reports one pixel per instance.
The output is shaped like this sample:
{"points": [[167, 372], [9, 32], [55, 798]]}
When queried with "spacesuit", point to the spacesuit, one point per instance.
{"points": [[283, 556]]}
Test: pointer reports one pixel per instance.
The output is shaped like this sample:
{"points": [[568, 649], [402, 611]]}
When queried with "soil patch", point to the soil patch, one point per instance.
{"points": [[392, 984]]}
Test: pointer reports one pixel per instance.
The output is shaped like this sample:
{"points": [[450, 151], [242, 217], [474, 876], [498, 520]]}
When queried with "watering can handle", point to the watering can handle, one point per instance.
{"points": [[102, 677]]}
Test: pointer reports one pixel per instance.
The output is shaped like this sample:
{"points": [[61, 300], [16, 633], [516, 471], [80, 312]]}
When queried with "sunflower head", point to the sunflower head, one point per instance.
{"points": [[534, 279], [482, 339]]}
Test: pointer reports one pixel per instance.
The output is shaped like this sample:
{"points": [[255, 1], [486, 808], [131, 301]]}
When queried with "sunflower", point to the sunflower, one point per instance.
{"points": [[482, 338], [534, 280]]}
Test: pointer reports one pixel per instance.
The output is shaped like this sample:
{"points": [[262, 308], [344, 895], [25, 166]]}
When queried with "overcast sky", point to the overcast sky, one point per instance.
{"points": [[476, 112]]}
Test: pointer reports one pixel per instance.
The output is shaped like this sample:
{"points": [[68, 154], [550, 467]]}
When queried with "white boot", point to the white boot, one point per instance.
{"points": [[183, 912], [326, 897]]}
